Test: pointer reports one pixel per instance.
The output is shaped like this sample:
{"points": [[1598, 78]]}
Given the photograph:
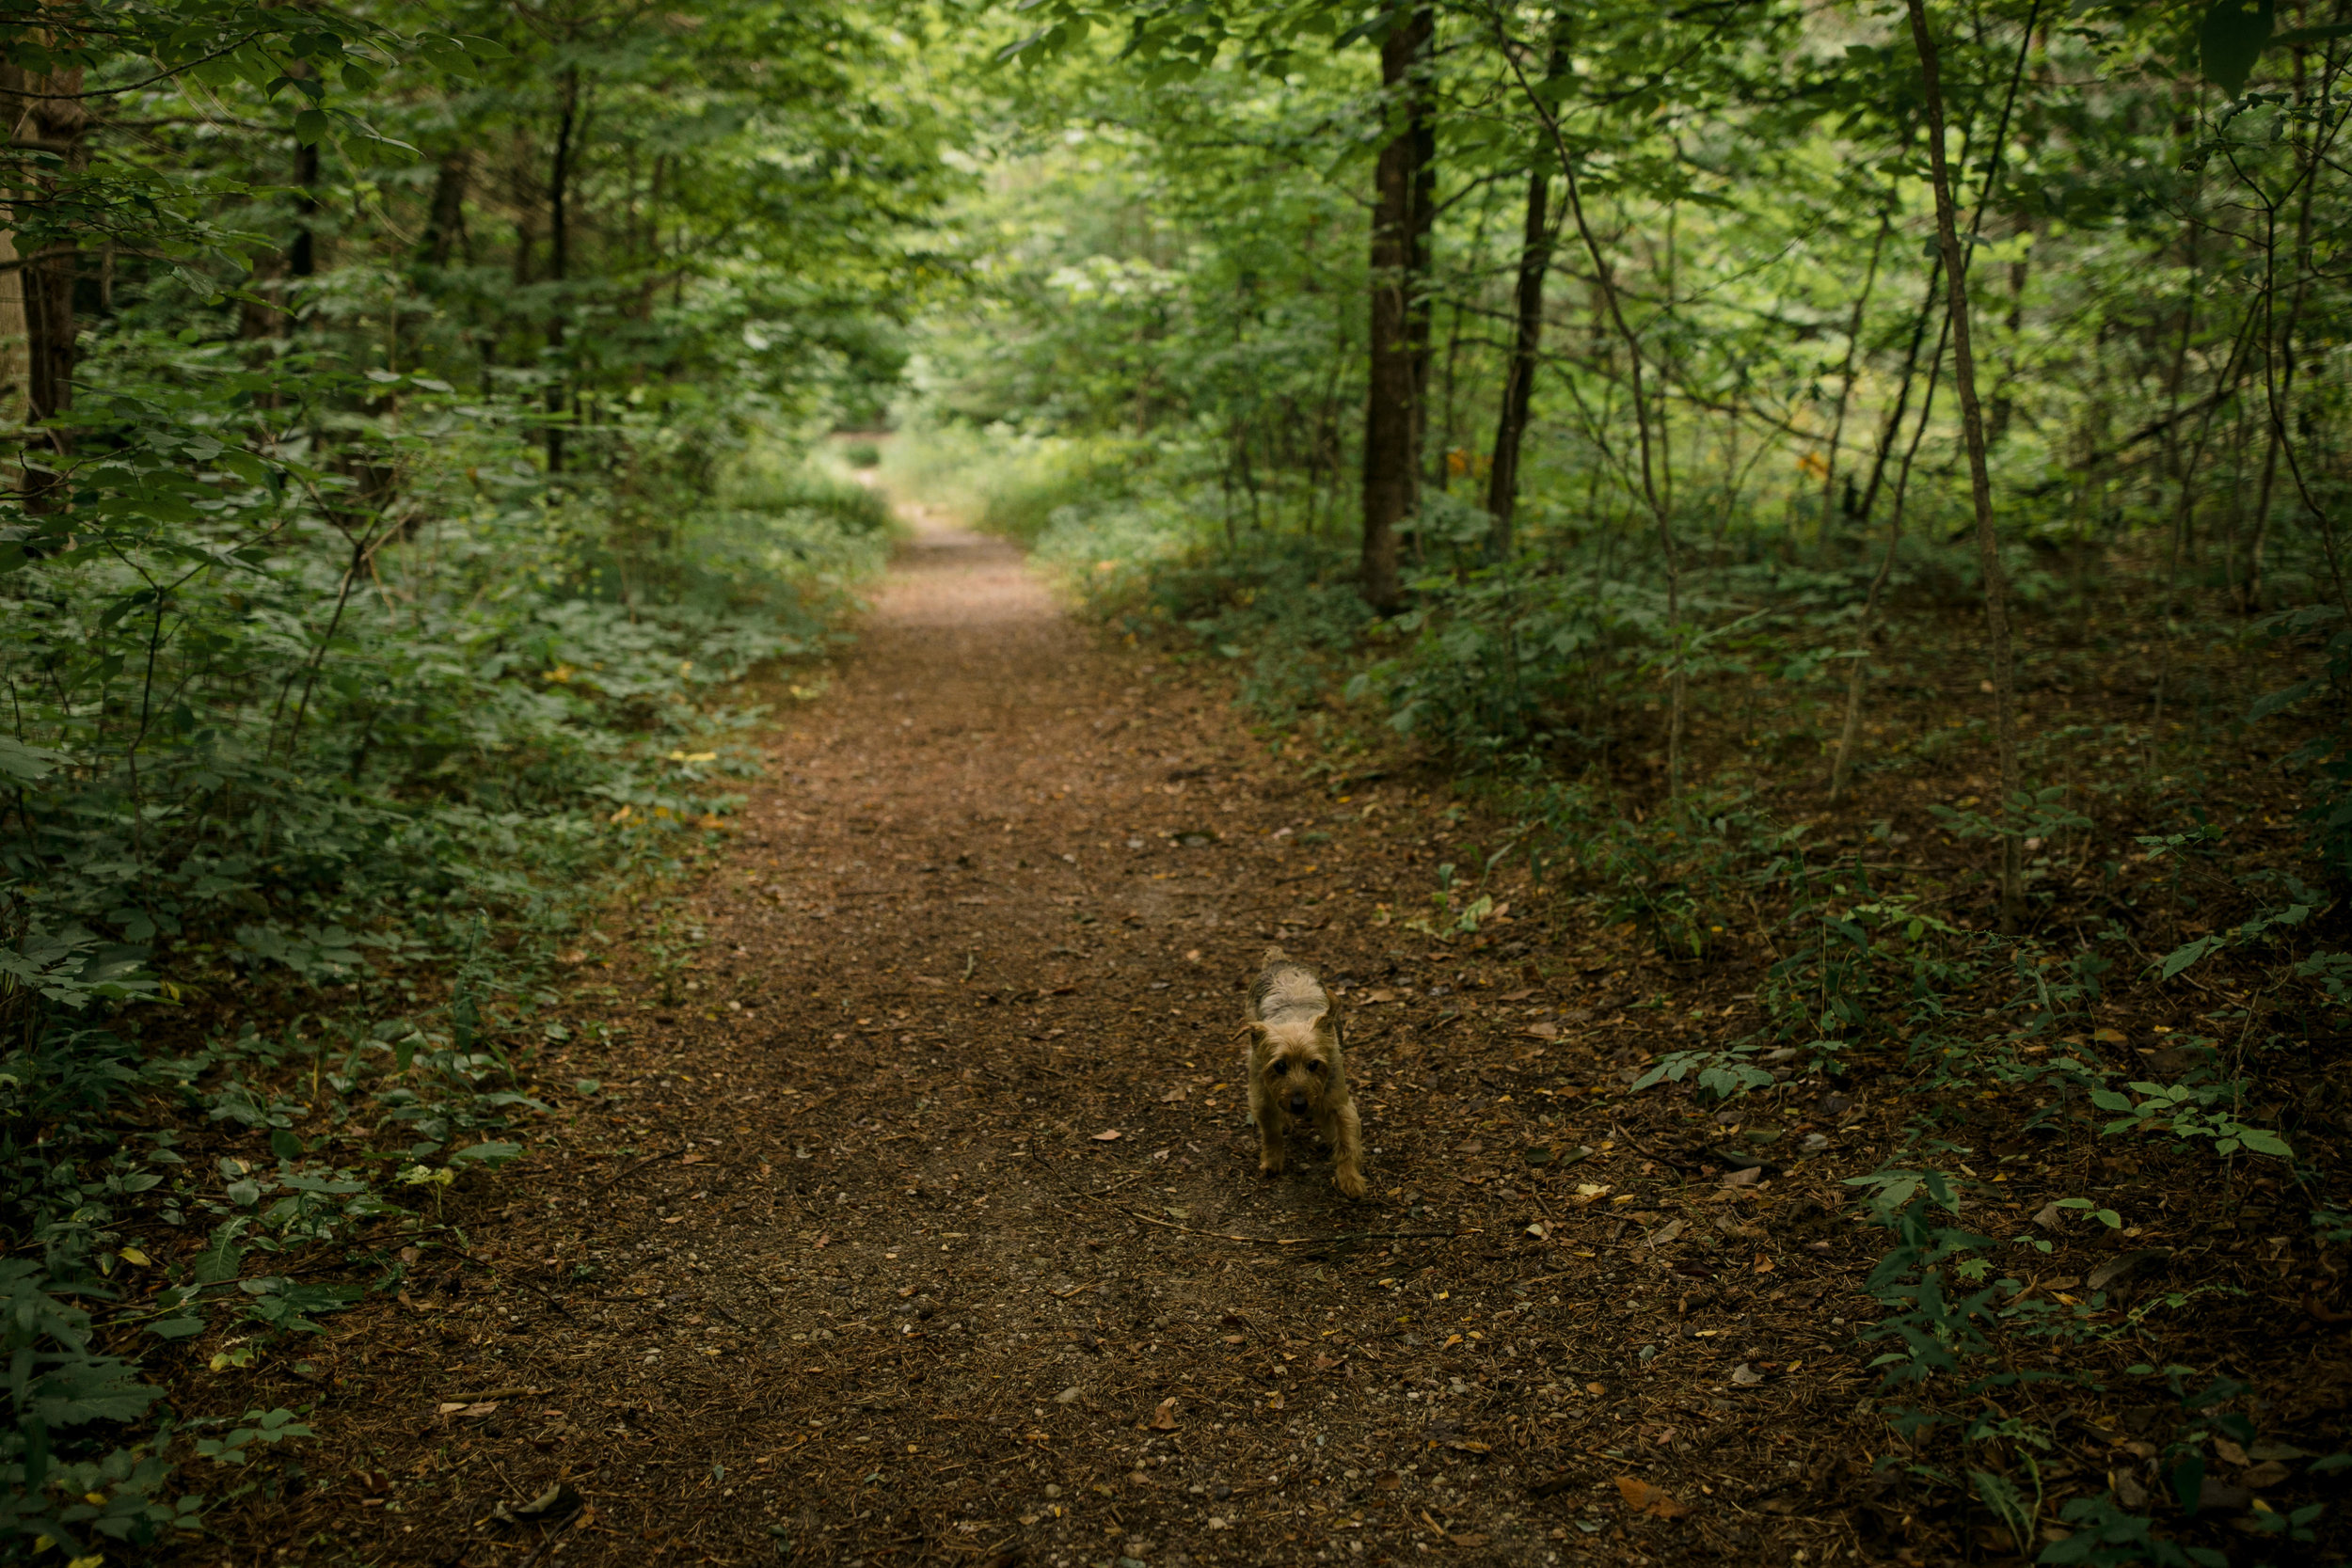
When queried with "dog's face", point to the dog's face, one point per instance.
{"points": [[1295, 1062]]}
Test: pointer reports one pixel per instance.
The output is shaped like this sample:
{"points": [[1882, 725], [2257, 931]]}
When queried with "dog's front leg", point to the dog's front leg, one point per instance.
{"points": [[1272, 1146], [1346, 1137]]}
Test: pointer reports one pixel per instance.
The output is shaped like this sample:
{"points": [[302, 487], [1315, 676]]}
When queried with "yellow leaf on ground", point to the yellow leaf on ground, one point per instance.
{"points": [[1642, 1498]]}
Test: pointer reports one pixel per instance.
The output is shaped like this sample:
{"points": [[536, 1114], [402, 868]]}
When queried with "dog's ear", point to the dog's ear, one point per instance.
{"points": [[1253, 1031], [1326, 1026]]}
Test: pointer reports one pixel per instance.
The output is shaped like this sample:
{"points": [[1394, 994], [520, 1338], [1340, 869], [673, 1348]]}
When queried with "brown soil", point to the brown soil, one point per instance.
{"points": [[922, 1225]]}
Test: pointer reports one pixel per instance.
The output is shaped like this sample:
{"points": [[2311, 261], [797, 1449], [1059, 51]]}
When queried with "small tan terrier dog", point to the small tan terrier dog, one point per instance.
{"points": [[1297, 1070]]}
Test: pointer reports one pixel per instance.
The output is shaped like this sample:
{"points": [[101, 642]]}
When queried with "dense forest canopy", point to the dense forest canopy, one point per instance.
{"points": [[1685, 427]]}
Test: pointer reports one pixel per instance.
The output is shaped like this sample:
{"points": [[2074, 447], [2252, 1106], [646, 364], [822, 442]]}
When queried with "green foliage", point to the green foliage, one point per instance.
{"points": [[2104, 1535], [408, 465]]}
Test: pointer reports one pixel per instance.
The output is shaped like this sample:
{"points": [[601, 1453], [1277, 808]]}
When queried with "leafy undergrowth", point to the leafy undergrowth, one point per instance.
{"points": [[283, 891]]}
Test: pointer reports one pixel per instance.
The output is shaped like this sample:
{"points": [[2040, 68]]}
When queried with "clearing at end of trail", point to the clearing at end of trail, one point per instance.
{"points": [[917, 1221]]}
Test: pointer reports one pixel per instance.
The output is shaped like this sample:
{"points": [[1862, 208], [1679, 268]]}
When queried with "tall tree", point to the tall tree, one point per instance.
{"points": [[1403, 216], [1979, 478], [1537, 236], [1518, 376]]}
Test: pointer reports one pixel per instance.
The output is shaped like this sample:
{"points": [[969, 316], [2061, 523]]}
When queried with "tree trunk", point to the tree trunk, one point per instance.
{"points": [[1419, 297], [1979, 479], [1891, 431], [448, 216], [15, 337], [1850, 732], [302, 255], [1611, 304], [560, 259], [46, 115], [1399, 357], [1518, 381], [1845, 377]]}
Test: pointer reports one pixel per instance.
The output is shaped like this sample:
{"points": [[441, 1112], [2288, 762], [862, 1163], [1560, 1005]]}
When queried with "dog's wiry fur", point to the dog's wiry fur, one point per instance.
{"points": [[1298, 1071]]}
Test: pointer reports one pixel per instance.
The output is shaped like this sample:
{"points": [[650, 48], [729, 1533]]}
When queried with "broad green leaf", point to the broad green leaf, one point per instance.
{"points": [[2229, 39], [2181, 957]]}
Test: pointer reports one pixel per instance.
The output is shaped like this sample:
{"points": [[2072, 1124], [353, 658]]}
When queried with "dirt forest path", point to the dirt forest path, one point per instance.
{"points": [[919, 1224]]}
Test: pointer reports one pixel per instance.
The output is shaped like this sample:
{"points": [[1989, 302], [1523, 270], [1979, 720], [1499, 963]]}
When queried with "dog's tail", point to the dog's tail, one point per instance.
{"points": [[1273, 956]]}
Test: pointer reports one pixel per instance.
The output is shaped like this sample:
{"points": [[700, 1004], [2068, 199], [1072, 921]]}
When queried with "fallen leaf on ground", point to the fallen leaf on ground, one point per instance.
{"points": [[1543, 1031], [2215, 1494], [1642, 1498], [1172, 1096], [1745, 1376], [468, 1412], [1067, 1396], [1109, 1138], [1163, 1418], [554, 1503]]}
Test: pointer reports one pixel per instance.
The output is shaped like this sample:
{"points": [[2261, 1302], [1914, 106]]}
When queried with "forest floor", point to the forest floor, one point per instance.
{"points": [[915, 1220]]}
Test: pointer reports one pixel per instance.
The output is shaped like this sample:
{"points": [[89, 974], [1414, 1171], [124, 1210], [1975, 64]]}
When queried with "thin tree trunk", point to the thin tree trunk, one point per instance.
{"points": [[1979, 478], [302, 252], [560, 259], [1845, 375], [1519, 382], [1850, 732], [1891, 431], [1419, 298], [1605, 283], [15, 340], [2279, 369], [1398, 358]]}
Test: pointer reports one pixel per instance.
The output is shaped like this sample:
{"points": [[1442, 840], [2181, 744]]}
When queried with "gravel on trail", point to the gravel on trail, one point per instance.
{"points": [[915, 1220]]}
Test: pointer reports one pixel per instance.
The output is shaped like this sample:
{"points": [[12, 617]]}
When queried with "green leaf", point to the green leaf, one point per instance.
{"points": [[309, 127], [2229, 39], [2280, 700], [2262, 1142], [285, 1143], [219, 1264], [2181, 957], [176, 1328], [489, 1153], [27, 762]]}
